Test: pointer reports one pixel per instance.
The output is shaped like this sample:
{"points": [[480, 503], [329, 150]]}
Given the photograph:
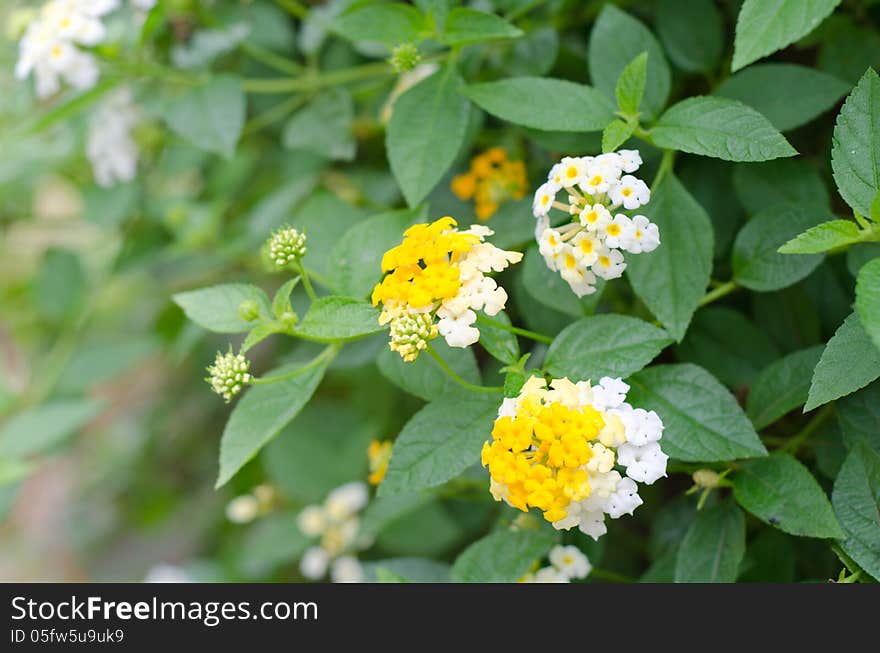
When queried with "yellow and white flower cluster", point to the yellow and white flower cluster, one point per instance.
{"points": [[556, 448], [592, 243], [336, 523], [439, 271], [567, 563], [51, 45]]}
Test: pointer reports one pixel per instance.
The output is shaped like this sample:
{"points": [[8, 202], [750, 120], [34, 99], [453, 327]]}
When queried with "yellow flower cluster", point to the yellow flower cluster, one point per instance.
{"points": [[378, 453], [539, 454], [491, 180]]}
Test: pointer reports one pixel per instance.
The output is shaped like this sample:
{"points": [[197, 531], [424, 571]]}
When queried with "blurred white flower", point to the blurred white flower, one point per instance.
{"points": [[110, 147], [165, 573]]}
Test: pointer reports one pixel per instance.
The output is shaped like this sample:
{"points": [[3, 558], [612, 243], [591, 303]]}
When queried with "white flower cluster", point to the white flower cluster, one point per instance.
{"points": [[247, 507], [336, 523], [50, 48], [477, 293], [109, 146], [591, 244], [566, 563]]}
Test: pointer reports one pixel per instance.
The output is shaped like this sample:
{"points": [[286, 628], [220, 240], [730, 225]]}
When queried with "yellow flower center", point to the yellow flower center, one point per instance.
{"points": [[613, 229]]}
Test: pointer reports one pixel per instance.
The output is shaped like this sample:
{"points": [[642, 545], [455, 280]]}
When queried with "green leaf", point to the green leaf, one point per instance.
{"points": [[44, 427], [258, 334], [703, 421], [59, 284], [499, 343], [427, 129], [728, 345], [408, 570], [423, 378], [501, 557], [12, 470], [618, 38], [440, 441], [357, 254], [261, 414], [721, 128], [868, 299], [766, 26], [672, 279], [856, 500], [389, 22], [616, 134], [855, 144], [757, 263], [210, 116], [692, 32], [713, 547], [874, 212], [781, 387], [783, 181], [323, 126], [823, 237], [311, 219], [339, 318], [786, 94], [281, 300], [859, 417], [781, 492], [630, 87], [465, 25], [850, 361], [563, 106], [215, 308], [604, 345], [271, 542]]}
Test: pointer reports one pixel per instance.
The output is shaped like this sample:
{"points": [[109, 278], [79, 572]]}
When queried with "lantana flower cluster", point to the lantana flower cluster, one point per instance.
{"points": [[336, 523], [378, 455], [491, 180], [556, 448], [567, 563], [439, 272], [592, 243]]}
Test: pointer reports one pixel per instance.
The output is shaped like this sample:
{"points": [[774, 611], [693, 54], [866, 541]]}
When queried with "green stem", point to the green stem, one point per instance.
{"points": [[270, 59], [305, 279], [275, 114], [313, 81], [455, 377], [328, 354], [721, 291], [295, 9], [798, 440], [525, 333], [666, 164]]}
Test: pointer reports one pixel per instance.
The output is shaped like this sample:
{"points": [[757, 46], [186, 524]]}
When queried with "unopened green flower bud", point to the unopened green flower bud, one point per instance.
{"points": [[405, 57], [286, 246], [706, 478], [229, 375], [289, 319], [249, 310]]}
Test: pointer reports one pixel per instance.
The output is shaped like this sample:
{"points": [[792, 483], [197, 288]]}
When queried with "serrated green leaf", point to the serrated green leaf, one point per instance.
{"points": [[339, 318], [501, 557], [261, 414], [850, 361], [781, 387], [783, 181], [465, 25], [281, 300], [439, 442], [703, 421], [616, 134], [604, 345], [855, 144], [423, 378], [630, 87], [721, 128], [210, 116], [44, 427], [323, 126], [728, 345], [781, 492], [859, 417], [786, 94], [215, 308], [617, 38], [856, 500], [388, 22], [427, 128], [757, 263], [500, 343], [765, 26], [868, 299], [258, 334], [692, 32], [822, 238], [408, 570], [672, 279], [713, 547], [564, 106]]}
